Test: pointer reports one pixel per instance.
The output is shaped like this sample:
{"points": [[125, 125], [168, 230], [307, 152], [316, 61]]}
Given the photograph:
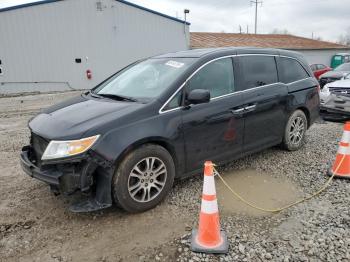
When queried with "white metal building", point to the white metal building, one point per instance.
{"points": [[51, 45]]}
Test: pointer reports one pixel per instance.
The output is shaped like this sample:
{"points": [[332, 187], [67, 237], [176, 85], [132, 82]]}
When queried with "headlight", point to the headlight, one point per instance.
{"points": [[59, 149], [325, 90]]}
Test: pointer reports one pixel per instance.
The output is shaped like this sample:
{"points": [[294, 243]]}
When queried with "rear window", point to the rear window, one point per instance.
{"points": [[291, 70], [258, 71]]}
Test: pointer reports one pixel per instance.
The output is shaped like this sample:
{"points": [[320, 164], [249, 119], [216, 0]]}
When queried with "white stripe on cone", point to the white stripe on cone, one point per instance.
{"points": [[343, 175], [209, 207], [209, 186], [344, 150], [346, 137]]}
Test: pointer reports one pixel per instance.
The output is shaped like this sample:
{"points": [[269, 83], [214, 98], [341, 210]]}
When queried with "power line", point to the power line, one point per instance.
{"points": [[256, 2]]}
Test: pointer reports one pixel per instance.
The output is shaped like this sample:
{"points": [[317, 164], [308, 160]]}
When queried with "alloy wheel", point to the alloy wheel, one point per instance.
{"points": [[147, 179], [297, 130]]}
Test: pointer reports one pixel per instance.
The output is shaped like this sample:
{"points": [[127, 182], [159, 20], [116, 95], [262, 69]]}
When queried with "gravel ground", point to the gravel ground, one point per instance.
{"points": [[36, 226], [317, 230]]}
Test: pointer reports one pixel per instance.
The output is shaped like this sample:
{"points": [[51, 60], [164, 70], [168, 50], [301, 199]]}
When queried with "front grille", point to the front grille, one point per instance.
{"points": [[39, 145], [340, 91]]}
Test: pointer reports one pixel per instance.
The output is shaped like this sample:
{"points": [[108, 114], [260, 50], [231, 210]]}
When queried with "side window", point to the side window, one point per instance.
{"points": [[175, 102], [313, 67], [320, 67], [258, 71], [217, 77], [292, 70]]}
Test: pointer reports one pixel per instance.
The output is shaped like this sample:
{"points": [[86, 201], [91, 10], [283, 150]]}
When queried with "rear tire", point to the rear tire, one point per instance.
{"points": [[294, 134], [143, 178]]}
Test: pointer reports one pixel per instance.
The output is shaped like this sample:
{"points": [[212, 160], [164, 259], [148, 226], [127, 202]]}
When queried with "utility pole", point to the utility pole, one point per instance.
{"points": [[256, 2], [186, 11]]}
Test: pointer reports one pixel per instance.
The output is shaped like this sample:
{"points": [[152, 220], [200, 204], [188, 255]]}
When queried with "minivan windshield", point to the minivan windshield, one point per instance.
{"points": [[343, 67], [145, 80]]}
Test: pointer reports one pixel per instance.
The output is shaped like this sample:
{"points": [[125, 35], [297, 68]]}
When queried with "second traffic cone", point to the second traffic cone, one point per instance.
{"points": [[209, 238], [341, 166]]}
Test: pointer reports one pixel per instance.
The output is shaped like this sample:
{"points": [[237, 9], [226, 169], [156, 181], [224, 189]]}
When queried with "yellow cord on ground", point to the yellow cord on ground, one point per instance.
{"points": [[287, 206]]}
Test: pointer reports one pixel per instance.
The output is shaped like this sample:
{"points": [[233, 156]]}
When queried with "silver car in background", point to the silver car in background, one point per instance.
{"points": [[335, 100], [337, 74]]}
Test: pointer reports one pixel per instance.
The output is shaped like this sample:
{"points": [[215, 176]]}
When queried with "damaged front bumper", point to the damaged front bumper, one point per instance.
{"points": [[333, 114], [88, 173], [335, 107]]}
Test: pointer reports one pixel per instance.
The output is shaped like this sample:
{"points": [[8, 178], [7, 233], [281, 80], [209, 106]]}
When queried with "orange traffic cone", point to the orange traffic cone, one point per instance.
{"points": [[230, 133], [341, 166], [208, 238]]}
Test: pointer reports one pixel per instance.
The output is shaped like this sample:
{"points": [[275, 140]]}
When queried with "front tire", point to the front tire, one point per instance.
{"points": [[294, 135], [143, 178]]}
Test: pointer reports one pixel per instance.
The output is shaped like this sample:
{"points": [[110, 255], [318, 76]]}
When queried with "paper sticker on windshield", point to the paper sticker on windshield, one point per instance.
{"points": [[174, 64]]}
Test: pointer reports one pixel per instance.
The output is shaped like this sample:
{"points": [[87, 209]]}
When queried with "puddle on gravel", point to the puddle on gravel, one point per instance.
{"points": [[258, 188]]}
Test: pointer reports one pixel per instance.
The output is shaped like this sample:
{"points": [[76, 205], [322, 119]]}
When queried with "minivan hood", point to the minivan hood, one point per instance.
{"points": [[75, 117], [336, 74]]}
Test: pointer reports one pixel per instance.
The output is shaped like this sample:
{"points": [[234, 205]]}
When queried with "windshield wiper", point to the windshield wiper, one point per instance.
{"points": [[118, 97], [93, 94]]}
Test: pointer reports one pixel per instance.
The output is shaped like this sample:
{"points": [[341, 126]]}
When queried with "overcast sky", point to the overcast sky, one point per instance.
{"points": [[324, 18]]}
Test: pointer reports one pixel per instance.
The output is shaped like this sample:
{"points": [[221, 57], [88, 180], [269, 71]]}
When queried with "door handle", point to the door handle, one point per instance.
{"points": [[250, 108], [238, 111]]}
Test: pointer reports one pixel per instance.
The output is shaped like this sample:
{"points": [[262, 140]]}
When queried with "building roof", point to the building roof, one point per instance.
{"points": [[210, 40], [14, 7], [121, 1]]}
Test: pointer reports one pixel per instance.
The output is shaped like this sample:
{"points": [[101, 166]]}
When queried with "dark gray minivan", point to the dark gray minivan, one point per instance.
{"points": [[159, 119]]}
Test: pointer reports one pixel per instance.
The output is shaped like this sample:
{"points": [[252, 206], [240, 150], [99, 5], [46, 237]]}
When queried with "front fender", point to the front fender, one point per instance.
{"points": [[164, 129]]}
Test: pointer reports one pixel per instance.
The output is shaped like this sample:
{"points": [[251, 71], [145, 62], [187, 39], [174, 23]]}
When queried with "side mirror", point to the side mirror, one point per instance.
{"points": [[198, 96]]}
